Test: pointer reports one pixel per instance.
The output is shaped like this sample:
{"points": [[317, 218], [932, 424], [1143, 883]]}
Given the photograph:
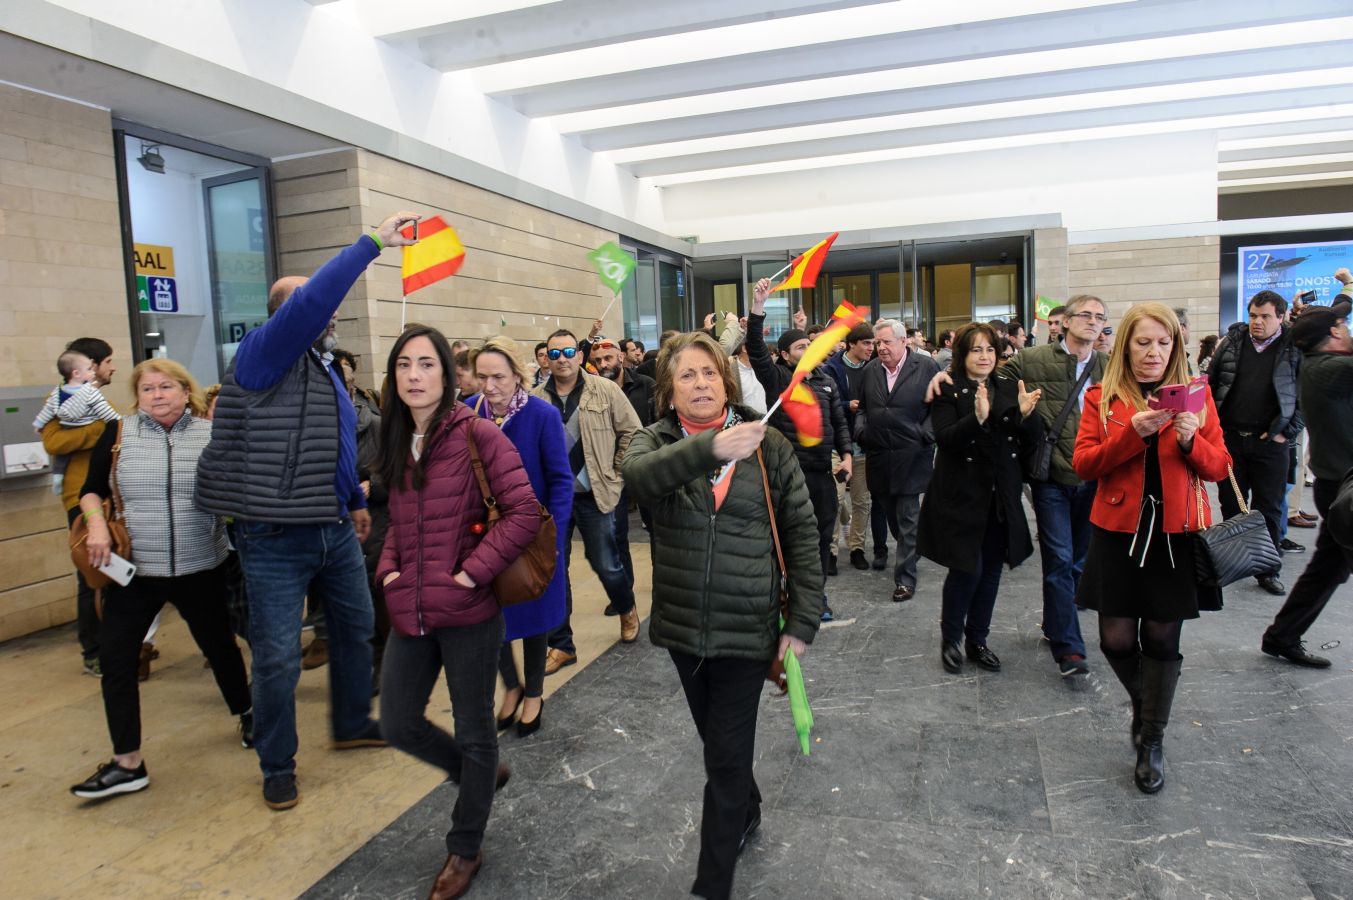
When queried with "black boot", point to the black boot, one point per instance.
{"points": [[1159, 679], [1129, 672]]}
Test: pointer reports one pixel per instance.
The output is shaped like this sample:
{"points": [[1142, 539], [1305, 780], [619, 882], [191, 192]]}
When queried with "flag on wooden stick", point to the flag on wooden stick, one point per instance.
{"points": [[437, 255], [805, 266]]}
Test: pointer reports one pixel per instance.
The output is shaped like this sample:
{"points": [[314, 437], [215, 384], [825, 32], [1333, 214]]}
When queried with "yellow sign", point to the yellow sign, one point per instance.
{"points": [[152, 259]]}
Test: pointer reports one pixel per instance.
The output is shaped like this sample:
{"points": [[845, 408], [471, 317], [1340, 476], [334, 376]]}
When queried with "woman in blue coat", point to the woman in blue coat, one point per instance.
{"points": [[535, 429]]}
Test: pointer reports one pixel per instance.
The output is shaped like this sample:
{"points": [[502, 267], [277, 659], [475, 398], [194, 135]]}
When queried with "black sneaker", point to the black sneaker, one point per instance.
{"points": [[247, 730], [279, 792], [1073, 666], [858, 561], [1271, 584], [1290, 546], [112, 779]]}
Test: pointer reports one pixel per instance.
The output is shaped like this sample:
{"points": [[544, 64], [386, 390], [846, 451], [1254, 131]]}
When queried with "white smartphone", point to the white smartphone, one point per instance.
{"points": [[118, 569]]}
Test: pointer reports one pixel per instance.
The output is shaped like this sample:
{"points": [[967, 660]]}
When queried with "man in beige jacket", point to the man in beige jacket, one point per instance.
{"points": [[598, 424]]}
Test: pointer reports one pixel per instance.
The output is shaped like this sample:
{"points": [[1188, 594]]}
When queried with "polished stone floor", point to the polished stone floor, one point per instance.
{"points": [[925, 784]]}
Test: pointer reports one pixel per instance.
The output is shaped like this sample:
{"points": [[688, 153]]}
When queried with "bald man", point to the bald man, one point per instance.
{"points": [[282, 463]]}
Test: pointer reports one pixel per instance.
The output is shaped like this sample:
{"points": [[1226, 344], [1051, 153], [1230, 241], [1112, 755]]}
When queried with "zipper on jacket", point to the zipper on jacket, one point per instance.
{"points": [[704, 600], [418, 581], [169, 499]]}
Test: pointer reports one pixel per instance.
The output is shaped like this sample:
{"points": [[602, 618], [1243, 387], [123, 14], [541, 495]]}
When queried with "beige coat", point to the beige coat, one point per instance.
{"points": [[606, 422]]}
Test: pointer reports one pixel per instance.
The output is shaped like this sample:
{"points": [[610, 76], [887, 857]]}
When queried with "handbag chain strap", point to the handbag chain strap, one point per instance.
{"points": [[774, 530], [112, 474], [477, 466], [1198, 494], [1244, 507]]}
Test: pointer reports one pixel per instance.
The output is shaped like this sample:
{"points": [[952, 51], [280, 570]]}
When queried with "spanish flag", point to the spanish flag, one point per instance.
{"points": [[437, 255], [798, 400], [805, 267]]}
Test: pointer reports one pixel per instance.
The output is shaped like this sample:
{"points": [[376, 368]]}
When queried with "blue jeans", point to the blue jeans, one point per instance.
{"points": [[599, 543], [282, 564], [1063, 514]]}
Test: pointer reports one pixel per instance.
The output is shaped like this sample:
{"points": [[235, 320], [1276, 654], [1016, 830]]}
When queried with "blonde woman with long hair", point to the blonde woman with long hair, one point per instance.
{"points": [[1150, 465]]}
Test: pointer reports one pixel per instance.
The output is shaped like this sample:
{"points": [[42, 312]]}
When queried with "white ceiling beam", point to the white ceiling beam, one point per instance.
{"points": [[579, 24], [1310, 148], [1201, 108], [1143, 20], [973, 93]]}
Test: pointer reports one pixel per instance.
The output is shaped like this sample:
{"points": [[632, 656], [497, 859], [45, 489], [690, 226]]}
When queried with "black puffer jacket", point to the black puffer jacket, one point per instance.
{"points": [[1221, 374], [775, 376], [715, 577]]}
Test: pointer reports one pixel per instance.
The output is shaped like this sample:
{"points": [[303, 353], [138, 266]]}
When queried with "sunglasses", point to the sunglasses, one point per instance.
{"points": [[566, 352]]}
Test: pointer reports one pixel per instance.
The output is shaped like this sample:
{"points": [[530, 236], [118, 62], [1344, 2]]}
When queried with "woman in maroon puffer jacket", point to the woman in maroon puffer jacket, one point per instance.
{"points": [[438, 568]]}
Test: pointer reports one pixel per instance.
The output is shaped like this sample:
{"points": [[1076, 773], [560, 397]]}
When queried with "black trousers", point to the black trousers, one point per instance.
{"points": [[822, 490], [128, 611], [533, 661], [723, 695], [882, 519], [86, 614], [1261, 471], [1327, 570]]}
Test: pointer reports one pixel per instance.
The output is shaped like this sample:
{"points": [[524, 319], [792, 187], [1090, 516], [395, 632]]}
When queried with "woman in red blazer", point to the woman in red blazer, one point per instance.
{"points": [[1150, 466]]}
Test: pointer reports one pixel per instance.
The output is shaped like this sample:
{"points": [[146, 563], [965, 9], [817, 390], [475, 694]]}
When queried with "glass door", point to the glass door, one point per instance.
{"points": [[780, 305], [238, 243]]}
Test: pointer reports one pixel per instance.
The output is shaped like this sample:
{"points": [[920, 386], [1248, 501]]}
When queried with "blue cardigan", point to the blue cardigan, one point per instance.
{"points": [[537, 432]]}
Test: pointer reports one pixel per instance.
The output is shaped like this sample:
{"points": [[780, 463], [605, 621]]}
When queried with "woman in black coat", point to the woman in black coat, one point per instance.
{"points": [[972, 520]]}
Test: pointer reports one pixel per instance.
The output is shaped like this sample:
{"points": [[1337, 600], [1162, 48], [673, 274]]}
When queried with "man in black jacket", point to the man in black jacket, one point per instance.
{"points": [[1254, 381], [1327, 402], [816, 461], [892, 423], [609, 360]]}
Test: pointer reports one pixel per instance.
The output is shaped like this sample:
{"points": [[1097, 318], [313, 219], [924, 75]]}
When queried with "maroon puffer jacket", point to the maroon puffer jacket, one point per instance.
{"points": [[430, 538]]}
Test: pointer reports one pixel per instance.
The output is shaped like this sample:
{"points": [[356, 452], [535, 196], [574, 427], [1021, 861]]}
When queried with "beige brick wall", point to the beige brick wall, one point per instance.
{"points": [[524, 266], [1175, 271], [61, 277]]}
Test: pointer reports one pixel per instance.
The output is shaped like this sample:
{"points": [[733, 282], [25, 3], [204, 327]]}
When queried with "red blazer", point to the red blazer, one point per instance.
{"points": [[1114, 455]]}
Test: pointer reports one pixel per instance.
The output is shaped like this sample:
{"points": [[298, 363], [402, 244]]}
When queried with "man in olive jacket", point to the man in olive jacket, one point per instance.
{"points": [[1062, 503]]}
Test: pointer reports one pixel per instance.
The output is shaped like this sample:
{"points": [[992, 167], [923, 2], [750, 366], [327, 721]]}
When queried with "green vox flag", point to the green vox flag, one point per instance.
{"points": [[613, 264], [1043, 307]]}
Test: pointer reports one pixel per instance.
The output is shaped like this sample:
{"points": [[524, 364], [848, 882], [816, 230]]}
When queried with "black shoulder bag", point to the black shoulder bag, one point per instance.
{"points": [[1039, 462]]}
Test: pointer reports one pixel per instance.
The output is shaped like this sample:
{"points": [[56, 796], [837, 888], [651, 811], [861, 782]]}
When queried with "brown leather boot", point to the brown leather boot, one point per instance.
{"points": [[455, 877], [316, 655], [629, 626]]}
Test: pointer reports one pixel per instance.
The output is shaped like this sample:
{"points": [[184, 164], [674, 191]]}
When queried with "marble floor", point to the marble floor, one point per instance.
{"points": [[925, 784], [201, 829]]}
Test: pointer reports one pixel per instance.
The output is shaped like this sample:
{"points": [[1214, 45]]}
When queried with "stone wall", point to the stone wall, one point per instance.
{"points": [[1176, 271], [61, 277]]}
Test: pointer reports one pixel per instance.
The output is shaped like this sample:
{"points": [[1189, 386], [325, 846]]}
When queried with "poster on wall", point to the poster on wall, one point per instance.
{"points": [[1291, 269]]}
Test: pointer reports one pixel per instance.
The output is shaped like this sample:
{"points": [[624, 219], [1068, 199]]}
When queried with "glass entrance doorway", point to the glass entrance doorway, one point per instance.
{"points": [[198, 221]]}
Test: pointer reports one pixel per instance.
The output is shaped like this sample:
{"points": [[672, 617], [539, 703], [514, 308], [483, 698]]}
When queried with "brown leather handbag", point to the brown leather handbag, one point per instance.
{"points": [[117, 527], [776, 673], [527, 577]]}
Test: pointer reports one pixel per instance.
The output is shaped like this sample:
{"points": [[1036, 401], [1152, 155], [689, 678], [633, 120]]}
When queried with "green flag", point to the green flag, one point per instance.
{"points": [[1043, 307], [613, 264]]}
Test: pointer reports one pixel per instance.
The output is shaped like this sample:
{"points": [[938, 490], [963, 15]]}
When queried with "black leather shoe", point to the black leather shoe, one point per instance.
{"points": [[982, 655], [951, 657], [111, 779], [1296, 654], [247, 730], [902, 593], [1288, 545], [858, 561], [749, 829], [1150, 771], [880, 561], [1271, 584], [610, 610], [525, 728], [506, 721]]}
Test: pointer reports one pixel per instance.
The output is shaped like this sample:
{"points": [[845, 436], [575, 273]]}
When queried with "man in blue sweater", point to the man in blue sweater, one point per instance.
{"points": [[283, 463]]}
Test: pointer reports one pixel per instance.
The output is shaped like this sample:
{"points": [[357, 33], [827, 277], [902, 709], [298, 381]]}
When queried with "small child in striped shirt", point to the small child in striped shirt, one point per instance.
{"points": [[78, 401]]}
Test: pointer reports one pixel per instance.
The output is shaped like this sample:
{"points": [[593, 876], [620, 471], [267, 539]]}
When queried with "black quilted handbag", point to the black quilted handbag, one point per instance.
{"points": [[1239, 547]]}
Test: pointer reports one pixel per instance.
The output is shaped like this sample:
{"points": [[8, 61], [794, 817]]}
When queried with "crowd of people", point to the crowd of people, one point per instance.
{"points": [[395, 513]]}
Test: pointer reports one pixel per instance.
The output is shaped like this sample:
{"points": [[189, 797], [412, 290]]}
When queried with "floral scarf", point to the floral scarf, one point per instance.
{"points": [[514, 406]]}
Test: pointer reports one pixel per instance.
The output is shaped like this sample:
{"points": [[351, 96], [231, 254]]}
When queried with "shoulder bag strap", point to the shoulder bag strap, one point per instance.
{"points": [[1240, 499], [477, 466], [774, 529], [1054, 435], [112, 473]]}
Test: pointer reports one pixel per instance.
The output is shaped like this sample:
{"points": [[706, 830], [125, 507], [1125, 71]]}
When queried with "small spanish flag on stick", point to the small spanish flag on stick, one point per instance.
{"points": [[799, 401], [437, 255], [805, 266]]}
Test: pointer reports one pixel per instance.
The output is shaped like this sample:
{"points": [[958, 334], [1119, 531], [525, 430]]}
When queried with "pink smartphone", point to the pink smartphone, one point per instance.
{"points": [[1189, 397]]}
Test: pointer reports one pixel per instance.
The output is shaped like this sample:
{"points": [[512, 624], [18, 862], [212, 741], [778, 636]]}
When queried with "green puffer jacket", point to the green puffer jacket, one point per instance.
{"points": [[715, 576], [1053, 370]]}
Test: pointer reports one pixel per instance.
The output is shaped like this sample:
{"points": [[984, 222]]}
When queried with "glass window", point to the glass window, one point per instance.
{"points": [[778, 305], [996, 291], [645, 328], [672, 296]]}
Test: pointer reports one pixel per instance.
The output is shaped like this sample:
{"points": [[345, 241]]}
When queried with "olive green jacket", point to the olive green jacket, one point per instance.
{"points": [[1051, 369], [715, 576]]}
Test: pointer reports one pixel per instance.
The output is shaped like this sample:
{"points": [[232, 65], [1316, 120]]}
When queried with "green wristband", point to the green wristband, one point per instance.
{"points": [[379, 245]]}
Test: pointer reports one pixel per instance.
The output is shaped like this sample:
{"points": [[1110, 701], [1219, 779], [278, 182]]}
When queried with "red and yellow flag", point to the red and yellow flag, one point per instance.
{"points": [[437, 255], [798, 400], [804, 268]]}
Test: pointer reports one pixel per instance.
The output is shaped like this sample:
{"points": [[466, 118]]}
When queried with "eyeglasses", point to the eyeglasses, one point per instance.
{"points": [[1091, 317], [566, 352]]}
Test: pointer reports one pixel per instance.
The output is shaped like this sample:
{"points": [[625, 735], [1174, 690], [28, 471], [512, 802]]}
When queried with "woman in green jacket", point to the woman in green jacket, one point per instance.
{"points": [[716, 606]]}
